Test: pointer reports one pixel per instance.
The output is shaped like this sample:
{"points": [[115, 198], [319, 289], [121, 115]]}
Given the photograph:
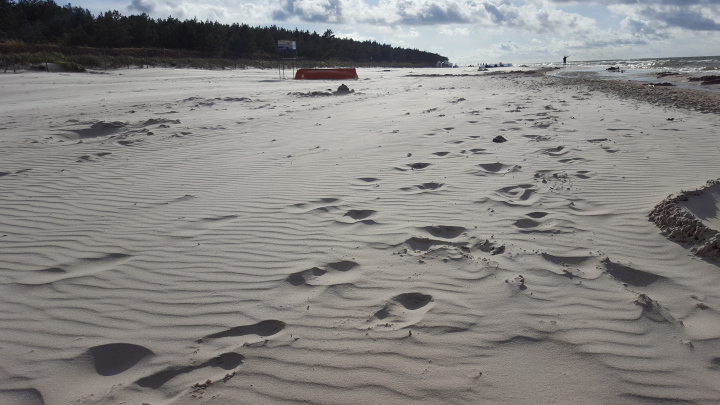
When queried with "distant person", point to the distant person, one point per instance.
{"points": [[565, 59]]}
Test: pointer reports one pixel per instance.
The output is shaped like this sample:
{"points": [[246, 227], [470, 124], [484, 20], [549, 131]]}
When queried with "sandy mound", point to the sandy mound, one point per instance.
{"points": [[692, 217]]}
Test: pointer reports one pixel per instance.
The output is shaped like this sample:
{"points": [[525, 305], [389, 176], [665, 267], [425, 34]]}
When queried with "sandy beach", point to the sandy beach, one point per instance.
{"points": [[225, 237]]}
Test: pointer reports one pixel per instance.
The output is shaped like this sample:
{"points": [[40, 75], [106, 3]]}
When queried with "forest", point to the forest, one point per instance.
{"points": [[44, 22]]}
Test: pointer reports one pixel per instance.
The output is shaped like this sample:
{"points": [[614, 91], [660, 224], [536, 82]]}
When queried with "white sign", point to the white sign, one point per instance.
{"points": [[286, 45]]}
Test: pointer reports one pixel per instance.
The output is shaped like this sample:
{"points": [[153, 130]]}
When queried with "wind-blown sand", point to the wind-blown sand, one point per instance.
{"points": [[222, 237], [706, 207]]}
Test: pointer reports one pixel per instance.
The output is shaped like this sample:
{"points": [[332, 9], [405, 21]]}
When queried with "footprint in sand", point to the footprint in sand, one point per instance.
{"points": [[520, 195], [358, 216], [323, 205], [574, 266], [99, 129], [537, 214], [542, 124], [418, 166], [478, 151], [225, 361], [78, 268], [23, 396], [557, 151], [608, 149], [630, 276], [446, 232], [422, 245], [403, 310], [537, 138], [571, 161], [330, 274], [162, 121], [525, 223], [88, 158], [534, 222], [115, 358], [429, 186], [262, 329], [424, 187], [442, 244], [715, 363], [583, 174], [496, 168]]}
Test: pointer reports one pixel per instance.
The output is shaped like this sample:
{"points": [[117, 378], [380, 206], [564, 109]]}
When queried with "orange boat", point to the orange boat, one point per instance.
{"points": [[326, 74]]}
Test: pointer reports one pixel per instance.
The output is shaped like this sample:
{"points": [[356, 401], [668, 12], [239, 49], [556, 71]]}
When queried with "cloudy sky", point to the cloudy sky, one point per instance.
{"points": [[475, 31]]}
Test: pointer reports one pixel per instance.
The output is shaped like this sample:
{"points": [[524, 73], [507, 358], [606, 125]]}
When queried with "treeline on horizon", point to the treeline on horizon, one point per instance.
{"points": [[45, 22]]}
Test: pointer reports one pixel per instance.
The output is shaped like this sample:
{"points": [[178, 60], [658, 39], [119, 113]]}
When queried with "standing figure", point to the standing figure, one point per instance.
{"points": [[565, 59]]}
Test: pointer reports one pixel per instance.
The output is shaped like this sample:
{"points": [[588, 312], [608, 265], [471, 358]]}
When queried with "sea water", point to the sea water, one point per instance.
{"points": [[644, 70], [698, 64]]}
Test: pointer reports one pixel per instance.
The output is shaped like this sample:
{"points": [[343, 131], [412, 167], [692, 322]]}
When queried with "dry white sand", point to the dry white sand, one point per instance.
{"points": [[191, 237], [706, 207]]}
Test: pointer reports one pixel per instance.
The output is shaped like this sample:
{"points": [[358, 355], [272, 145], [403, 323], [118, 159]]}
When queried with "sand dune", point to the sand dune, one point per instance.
{"points": [[221, 237]]}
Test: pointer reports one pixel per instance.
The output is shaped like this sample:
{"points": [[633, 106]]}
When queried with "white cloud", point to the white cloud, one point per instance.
{"points": [[451, 32], [354, 35]]}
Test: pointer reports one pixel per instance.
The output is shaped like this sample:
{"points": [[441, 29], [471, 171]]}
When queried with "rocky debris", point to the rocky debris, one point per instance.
{"points": [[665, 74], [499, 139], [613, 69], [706, 80], [343, 89], [310, 94], [681, 226], [674, 97], [660, 84]]}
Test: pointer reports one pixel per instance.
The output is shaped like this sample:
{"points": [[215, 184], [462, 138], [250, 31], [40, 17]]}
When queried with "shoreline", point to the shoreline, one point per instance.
{"points": [[676, 78], [696, 99]]}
